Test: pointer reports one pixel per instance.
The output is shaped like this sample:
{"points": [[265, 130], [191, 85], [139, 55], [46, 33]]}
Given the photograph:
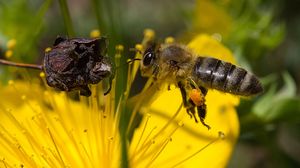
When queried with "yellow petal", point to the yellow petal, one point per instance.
{"points": [[205, 45], [210, 18]]}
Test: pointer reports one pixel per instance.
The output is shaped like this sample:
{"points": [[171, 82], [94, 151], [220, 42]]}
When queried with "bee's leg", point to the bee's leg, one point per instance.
{"points": [[188, 104], [189, 110], [203, 90], [169, 87], [201, 110], [183, 93], [192, 110]]}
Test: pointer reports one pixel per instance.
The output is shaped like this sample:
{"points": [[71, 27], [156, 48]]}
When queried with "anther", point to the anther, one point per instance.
{"points": [[11, 43], [10, 82], [48, 49], [149, 33], [95, 33], [42, 74], [169, 40], [8, 53]]}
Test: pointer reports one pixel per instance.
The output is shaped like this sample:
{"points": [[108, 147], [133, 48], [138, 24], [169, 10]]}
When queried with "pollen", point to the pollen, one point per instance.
{"points": [[196, 97], [95, 33]]}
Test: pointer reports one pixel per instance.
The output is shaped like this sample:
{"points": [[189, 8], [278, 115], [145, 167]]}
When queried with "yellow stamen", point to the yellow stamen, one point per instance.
{"points": [[220, 136], [48, 49], [169, 40], [8, 53], [95, 33], [11, 44], [10, 82], [119, 50], [42, 74], [139, 47], [149, 33]]}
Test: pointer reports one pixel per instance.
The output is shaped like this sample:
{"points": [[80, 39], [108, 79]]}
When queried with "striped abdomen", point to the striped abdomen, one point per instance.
{"points": [[226, 77]]}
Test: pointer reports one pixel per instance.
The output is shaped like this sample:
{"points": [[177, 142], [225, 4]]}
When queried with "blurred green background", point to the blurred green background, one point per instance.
{"points": [[263, 35]]}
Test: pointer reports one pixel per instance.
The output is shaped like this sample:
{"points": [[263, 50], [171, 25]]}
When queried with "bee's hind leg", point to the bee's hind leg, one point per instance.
{"points": [[191, 112], [201, 111]]}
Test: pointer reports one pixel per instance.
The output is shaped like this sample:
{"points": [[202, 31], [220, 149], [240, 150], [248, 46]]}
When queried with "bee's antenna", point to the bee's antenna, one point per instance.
{"points": [[132, 60], [22, 65]]}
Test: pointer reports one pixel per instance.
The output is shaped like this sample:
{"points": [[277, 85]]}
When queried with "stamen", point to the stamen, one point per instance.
{"points": [[136, 65], [170, 120], [220, 136], [169, 40], [143, 131], [139, 47], [48, 49], [149, 34], [42, 75], [95, 33], [119, 50], [8, 53], [11, 44], [4, 163], [164, 144], [143, 149], [56, 148]]}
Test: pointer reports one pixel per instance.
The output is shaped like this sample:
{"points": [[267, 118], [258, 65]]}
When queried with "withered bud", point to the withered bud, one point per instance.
{"points": [[74, 63]]}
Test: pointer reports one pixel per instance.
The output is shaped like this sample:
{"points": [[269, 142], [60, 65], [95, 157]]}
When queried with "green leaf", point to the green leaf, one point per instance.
{"points": [[274, 105], [285, 110]]}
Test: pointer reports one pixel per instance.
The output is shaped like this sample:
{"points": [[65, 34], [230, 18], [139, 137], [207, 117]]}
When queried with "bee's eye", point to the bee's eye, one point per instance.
{"points": [[148, 58]]}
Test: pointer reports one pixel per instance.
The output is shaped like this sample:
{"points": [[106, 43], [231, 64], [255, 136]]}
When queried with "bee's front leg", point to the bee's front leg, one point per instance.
{"points": [[183, 93]]}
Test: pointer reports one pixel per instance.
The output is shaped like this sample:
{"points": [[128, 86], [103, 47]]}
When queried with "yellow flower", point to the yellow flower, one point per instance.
{"points": [[211, 18], [169, 137], [48, 129]]}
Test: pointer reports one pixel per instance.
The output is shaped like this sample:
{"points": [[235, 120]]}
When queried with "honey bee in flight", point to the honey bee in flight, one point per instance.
{"points": [[176, 64]]}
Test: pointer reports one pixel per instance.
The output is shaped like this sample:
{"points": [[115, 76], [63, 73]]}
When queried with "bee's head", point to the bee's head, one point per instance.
{"points": [[148, 64]]}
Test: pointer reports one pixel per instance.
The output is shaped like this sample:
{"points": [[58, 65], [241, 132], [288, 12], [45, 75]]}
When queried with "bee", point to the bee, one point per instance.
{"points": [[73, 64], [176, 64]]}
